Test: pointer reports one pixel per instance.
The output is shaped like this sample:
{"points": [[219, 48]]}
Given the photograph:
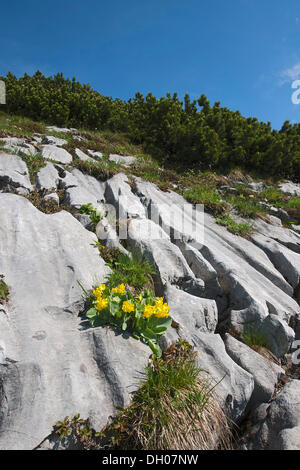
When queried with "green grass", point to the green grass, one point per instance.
{"points": [[134, 270], [4, 292], [254, 337], [173, 409], [18, 126], [35, 162], [243, 229], [101, 169], [207, 196]]}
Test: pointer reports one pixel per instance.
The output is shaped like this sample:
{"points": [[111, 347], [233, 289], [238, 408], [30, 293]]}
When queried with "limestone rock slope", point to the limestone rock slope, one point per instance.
{"points": [[53, 364]]}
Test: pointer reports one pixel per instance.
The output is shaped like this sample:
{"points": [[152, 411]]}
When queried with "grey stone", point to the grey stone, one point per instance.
{"points": [[265, 373], [126, 161], [82, 189], [118, 193], [290, 188], [13, 171], [192, 313], [95, 154], [51, 152], [52, 140], [280, 429], [254, 288], [85, 220], [56, 364], [82, 156], [52, 197], [47, 178]]}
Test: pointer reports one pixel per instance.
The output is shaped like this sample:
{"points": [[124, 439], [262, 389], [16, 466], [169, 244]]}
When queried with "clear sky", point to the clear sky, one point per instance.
{"points": [[243, 53]]}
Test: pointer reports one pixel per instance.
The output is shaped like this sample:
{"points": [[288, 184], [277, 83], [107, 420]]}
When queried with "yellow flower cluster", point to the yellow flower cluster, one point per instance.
{"points": [[127, 306], [120, 289], [98, 292], [159, 310], [102, 301]]}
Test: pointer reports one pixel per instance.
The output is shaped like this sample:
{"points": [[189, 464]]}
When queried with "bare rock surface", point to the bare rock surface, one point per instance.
{"points": [[266, 374], [51, 152], [54, 363], [13, 171]]}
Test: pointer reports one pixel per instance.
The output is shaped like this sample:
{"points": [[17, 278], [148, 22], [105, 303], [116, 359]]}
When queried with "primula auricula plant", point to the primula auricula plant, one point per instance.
{"points": [[146, 316]]}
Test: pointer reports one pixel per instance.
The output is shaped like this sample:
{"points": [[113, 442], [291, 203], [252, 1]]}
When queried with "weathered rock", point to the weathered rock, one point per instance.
{"points": [[265, 373], [253, 286], [192, 313], [153, 242], [47, 178], [18, 145], [280, 429], [52, 140], [53, 197], [126, 161], [82, 156], [118, 193], [95, 154], [51, 152], [85, 220], [13, 171], [284, 260], [82, 189], [290, 188], [55, 364], [62, 130]]}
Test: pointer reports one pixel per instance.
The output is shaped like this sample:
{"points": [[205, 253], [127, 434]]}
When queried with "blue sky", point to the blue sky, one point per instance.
{"points": [[243, 53]]}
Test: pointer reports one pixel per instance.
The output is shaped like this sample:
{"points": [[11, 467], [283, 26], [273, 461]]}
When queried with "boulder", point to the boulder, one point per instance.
{"points": [[47, 178], [52, 140], [51, 152], [280, 429], [291, 188], [55, 364], [126, 161], [265, 373], [192, 313], [14, 172]]}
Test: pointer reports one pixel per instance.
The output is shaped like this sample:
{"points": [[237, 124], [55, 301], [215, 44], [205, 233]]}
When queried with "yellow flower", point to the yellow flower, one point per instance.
{"points": [[102, 303], [162, 309], [139, 298], [127, 306], [98, 292], [120, 289], [149, 310]]}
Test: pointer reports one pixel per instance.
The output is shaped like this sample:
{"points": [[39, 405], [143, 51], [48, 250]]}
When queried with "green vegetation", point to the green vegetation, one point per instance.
{"points": [[173, 409], [34, 163], [80, 431], [145, 316], [95, 214], [132, 269], [255, 338], [179, 133], [243, 229], [101, 169], [4, 292], [45, 205]]}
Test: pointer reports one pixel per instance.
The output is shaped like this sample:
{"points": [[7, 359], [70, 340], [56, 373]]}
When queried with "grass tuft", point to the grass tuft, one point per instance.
{"points": [[243, 229], [174, 409]]}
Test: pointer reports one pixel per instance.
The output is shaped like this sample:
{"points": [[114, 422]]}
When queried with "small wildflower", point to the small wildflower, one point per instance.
{"points": [[149, 310], [120, 289], [102, 303], [98, 292], [127, 306]]}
